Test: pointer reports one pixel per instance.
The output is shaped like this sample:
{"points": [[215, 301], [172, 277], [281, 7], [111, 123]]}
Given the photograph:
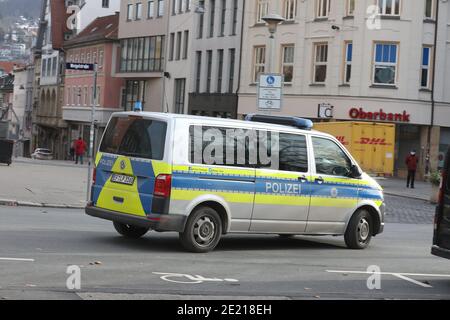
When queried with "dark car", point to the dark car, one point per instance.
{"points": [[441, 237]]}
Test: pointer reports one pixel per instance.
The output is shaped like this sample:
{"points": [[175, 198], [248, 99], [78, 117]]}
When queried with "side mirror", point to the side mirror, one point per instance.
{"points": [[355, 172]]}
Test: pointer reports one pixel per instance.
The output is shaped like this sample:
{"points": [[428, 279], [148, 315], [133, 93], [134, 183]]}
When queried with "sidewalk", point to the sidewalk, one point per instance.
{"points": [[40, 182], [397, 187]]}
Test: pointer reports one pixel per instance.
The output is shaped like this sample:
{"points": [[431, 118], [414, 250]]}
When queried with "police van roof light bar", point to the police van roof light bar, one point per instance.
{"points": [[299, 123]]}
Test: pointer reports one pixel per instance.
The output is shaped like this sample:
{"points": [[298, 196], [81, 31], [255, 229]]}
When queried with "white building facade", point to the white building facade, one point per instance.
{"points": [[368, 66]]}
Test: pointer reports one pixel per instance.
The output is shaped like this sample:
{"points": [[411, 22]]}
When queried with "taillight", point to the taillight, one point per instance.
{"points": [[94, 175], [163, 185]]}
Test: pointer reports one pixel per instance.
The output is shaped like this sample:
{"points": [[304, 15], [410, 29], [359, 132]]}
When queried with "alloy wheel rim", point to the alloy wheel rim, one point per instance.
{"points": [[204, 231], [363, 230]]}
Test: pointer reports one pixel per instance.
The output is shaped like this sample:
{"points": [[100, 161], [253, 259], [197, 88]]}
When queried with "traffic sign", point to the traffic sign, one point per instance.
{"points": [[80, 66], [270, 91]]}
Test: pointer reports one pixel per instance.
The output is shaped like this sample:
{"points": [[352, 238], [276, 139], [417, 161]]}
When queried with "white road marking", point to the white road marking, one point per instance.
{"points": [[191, 279], [404, 276], [17, 259]]}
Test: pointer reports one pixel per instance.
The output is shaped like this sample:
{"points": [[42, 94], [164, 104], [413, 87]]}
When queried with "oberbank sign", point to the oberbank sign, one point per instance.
{"points": [[381, 115]]}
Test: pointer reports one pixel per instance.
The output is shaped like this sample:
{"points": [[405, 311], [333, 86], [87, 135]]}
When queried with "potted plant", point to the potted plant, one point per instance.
{"points": [[435, 180]]}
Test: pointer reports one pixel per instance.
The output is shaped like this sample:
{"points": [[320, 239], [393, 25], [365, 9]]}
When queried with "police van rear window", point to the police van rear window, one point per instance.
{"points": [[135, 137]]}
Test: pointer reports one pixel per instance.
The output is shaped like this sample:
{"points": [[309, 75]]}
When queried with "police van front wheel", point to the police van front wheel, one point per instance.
{"points": [[203, 230], [359, 230], [129, 231]]}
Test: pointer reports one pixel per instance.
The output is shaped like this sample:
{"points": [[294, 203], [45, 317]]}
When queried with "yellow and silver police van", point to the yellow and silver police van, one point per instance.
{"points": [[206, 177]]}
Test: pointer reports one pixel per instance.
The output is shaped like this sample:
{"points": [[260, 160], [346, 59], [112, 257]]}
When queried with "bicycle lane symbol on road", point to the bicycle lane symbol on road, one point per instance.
{"points": [[189, 279]]}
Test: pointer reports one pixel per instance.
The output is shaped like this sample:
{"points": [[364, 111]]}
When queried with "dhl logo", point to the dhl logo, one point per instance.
{"points": [[341, 139], [374, 141]]}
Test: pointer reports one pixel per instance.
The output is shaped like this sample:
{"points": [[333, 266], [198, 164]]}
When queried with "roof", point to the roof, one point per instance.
{"points": [[8, 66], [59, 17], [220, 121], [102, 28]]}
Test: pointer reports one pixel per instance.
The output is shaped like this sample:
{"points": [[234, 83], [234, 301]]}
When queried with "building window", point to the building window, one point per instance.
{"points": [[385, 63], [425, 77], [180, 92], [100, 59], [259, 65], [231, 63], [151, 9], [142, 54], [235, 17], [134, 92], [174, 7], [262, 10], [160, 8], [389, 7], [350, 7], [430, 9], [105, 3], [290, 9], [130, 12], [186, 44], [320, 62], [348, 62], [138, 11], [209, 70], [323, 8], [219, 71], [212, 14], [54, 66], [180, 6], [178, 52], [188, 5], [288, 63], [223, 10], [201, 18], [172, 46], [198, 72]]}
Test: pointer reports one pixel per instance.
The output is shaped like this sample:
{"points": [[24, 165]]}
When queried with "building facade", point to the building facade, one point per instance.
{"points": [[97, 43], [142, 34], [370, 60]]}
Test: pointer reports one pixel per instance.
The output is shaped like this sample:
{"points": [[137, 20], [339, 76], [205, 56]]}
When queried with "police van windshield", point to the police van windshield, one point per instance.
{"points": [[135, 137]]}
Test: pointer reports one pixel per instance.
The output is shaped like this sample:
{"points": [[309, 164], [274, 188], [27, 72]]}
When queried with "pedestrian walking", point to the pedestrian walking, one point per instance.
{"points": [[72, 152], [411, 163], [80, 149]]}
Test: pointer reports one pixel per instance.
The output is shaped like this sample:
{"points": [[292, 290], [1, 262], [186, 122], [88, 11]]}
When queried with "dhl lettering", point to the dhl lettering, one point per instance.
{"points": [[342, 140], [283, 188], [374, 141]]}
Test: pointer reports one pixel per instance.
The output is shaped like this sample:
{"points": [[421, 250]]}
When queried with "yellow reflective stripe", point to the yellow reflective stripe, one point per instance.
{"points": [[98, 157], [214, 170], [378, 202], [160, 167], [188, 195], [333, 202], [281, 200]]}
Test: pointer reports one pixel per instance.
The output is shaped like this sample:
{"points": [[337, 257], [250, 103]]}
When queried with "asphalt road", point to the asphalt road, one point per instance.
{"points": [[242, 266]]}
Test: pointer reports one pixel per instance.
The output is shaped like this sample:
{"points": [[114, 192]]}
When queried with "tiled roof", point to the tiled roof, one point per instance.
{"points": [[102, 28], [8, 66]]}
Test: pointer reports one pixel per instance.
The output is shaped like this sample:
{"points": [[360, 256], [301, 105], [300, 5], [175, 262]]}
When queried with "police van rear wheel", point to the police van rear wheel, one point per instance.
{"points": [[359, 230], [203, 230], [130, 231]]}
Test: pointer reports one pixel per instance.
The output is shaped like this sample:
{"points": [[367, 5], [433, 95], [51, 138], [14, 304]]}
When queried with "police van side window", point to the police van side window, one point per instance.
{"points": [[293, 154], [330, 159], [222, 146]]}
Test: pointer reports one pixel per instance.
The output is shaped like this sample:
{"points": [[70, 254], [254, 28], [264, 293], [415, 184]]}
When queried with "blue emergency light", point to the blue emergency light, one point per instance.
{"points": [[299, 123]]}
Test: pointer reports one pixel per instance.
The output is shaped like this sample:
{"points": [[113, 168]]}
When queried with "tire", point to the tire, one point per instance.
{"points": [[203, 231], [359, 230], [129, 231]]}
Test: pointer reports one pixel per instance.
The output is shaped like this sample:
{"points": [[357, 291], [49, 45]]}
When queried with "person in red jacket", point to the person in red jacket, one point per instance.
{"points": [[411, 163], [80, 149]]}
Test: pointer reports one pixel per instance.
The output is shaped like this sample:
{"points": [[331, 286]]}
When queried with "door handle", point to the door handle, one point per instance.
{"points": [[118, 199], [319, 180], [302, 179]]}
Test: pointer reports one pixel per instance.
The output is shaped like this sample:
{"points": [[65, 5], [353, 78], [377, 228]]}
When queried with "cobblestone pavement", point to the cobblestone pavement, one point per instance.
{"points": [[404, 210]]}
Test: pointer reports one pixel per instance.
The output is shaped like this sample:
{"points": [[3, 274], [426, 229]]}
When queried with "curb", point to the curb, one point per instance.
{"points": [[405, 196], [16, 203]]}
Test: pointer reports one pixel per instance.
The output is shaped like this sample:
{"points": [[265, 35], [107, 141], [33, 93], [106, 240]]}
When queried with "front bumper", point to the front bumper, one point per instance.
{"points": [[162, 222], [440, 252]]}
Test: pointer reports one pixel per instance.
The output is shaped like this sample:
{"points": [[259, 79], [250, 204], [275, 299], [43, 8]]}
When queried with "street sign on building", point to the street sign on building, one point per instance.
{"points": [[80, 66], [325, 111], [270, 91]]}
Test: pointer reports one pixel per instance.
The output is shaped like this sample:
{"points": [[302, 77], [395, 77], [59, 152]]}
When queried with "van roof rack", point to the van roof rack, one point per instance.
{"points": [[299, 123]]}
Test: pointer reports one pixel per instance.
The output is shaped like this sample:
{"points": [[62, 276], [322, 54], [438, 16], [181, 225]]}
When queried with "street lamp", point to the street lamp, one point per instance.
{"points": [[272, 20]]}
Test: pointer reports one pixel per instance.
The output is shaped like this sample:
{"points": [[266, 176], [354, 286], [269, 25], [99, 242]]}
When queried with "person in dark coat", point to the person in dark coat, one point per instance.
{"points": [[411, 163]]}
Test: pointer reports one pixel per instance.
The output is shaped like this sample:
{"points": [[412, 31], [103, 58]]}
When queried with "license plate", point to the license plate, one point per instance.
{"points": [[122, 179]]}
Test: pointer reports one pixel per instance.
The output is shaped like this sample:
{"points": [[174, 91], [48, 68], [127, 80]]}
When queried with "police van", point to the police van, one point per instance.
{"points": [[206, 177]]}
